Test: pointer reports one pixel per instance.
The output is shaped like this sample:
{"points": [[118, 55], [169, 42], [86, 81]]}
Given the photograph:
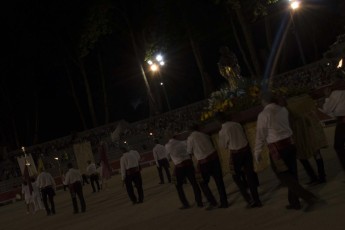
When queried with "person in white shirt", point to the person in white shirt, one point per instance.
{"points": [[274, 129], [335, 106], [200, 145], [36, 196], [130, 174], [73, 180], [162, 162], [28, 195], [94, 177], [47, 186], [233, 139], [184, 168]]}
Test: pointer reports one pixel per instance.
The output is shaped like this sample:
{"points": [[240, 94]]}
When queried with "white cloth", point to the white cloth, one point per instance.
{"points": [[72, 176], [232, 136], [177, 150], [129, 160], [45, 179], [335, 104], [159, 153], [200, 144], [36, 197], [91, 169], [272, 126], [26, 193]]}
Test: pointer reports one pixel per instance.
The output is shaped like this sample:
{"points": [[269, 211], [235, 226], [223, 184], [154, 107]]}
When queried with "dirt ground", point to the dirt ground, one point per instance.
{"points": [[111, 208]]}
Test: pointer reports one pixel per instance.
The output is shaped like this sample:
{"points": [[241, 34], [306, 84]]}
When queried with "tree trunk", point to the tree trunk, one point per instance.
{"points": [[249, 41], [75, 98], [244, 56], [104, 88]]}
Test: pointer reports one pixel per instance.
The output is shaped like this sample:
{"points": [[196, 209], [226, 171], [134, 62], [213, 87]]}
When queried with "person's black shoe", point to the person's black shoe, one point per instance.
{"points": [[257, 204], [184, 207], [200, 205], [223, 206], [295, 207], [312, 182], [161, 183], [322, 180]]}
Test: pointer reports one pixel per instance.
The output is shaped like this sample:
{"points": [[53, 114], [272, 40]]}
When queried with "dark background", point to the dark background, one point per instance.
{"points": [[40, 39]]}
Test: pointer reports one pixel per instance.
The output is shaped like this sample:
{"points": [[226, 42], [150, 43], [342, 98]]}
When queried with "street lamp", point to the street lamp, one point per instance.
{"points": [[155, 67], [295, 5]]}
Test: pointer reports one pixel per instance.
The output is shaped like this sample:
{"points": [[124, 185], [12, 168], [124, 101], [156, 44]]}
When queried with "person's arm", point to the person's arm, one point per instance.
{"points": [[330, 104], [261, 134], [53, 182], [223, 140], [123, 168]]}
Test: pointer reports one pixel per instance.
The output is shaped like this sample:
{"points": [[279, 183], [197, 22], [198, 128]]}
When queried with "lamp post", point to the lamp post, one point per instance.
{"points": [[155, 67], [295, 5]]}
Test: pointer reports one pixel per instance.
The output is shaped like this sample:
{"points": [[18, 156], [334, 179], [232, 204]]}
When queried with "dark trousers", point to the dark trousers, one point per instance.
{"points": [[94, 179], [290, 177], [208, 169], [310, 171], [244, 161], [135, 179], [48, 193], [339, 142], [163, 164], [76, 190], [181, 174], [85, 180]]}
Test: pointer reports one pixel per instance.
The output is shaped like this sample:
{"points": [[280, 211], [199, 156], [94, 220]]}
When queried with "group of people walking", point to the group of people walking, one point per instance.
{"points": [[274, 128]]}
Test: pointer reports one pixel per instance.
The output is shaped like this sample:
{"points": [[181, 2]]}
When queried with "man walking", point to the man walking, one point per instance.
{"points": [[184, 168], [274, 129], [200, 145], [162, 162], [47, 185], [130, 173], [73, 180], [93, 174], [234, 140]]}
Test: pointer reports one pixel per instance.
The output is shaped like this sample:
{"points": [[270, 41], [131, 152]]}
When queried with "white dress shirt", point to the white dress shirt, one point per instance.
{"points": [[159, 153], [177, 150], [45, 179], [335, 104], [72, 176], [272, 126], [91, 169], [129, 160], [232, 136], [200, 144]]}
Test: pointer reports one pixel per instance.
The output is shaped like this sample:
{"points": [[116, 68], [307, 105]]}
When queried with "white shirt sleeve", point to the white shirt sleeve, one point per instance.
{"points": [[189, 146], [123, 168], [330, 104], [154, 151], [261, 134]]}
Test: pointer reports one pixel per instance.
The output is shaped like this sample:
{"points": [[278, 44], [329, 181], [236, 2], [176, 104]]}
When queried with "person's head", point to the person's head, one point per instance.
{"points": [[195, 126], [70, 165], [123, 148], [88, 162], [156, 141], [267, 98]]}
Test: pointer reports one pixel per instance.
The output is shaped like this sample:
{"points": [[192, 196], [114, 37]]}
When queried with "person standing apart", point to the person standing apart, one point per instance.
{"points": [[36, 196], [335, 106], [28, 195], [234, 140], [162, 162], [184, 168], [73, 180], [94, 178], [47, 186], [273, 128], [200, 145], [130, 174]]}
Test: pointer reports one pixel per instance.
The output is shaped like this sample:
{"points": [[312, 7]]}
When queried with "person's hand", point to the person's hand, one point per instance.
{"points": [[258, 157]]}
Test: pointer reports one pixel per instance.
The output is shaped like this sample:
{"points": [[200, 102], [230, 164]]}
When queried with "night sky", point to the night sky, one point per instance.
{"points": [[40, 42]]}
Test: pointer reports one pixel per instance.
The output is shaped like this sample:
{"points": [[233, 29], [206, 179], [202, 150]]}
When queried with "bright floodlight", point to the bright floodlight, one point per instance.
{"points": [[340, 64], [159, 58], [154, 67], [161, 63], [151, 134], [56, 158], [295, 5], [149, 62], [161, 83]]}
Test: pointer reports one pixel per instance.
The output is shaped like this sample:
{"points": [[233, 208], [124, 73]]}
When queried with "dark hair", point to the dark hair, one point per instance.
{"points": [[268, 97], [222, 117], [156, 141]]}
